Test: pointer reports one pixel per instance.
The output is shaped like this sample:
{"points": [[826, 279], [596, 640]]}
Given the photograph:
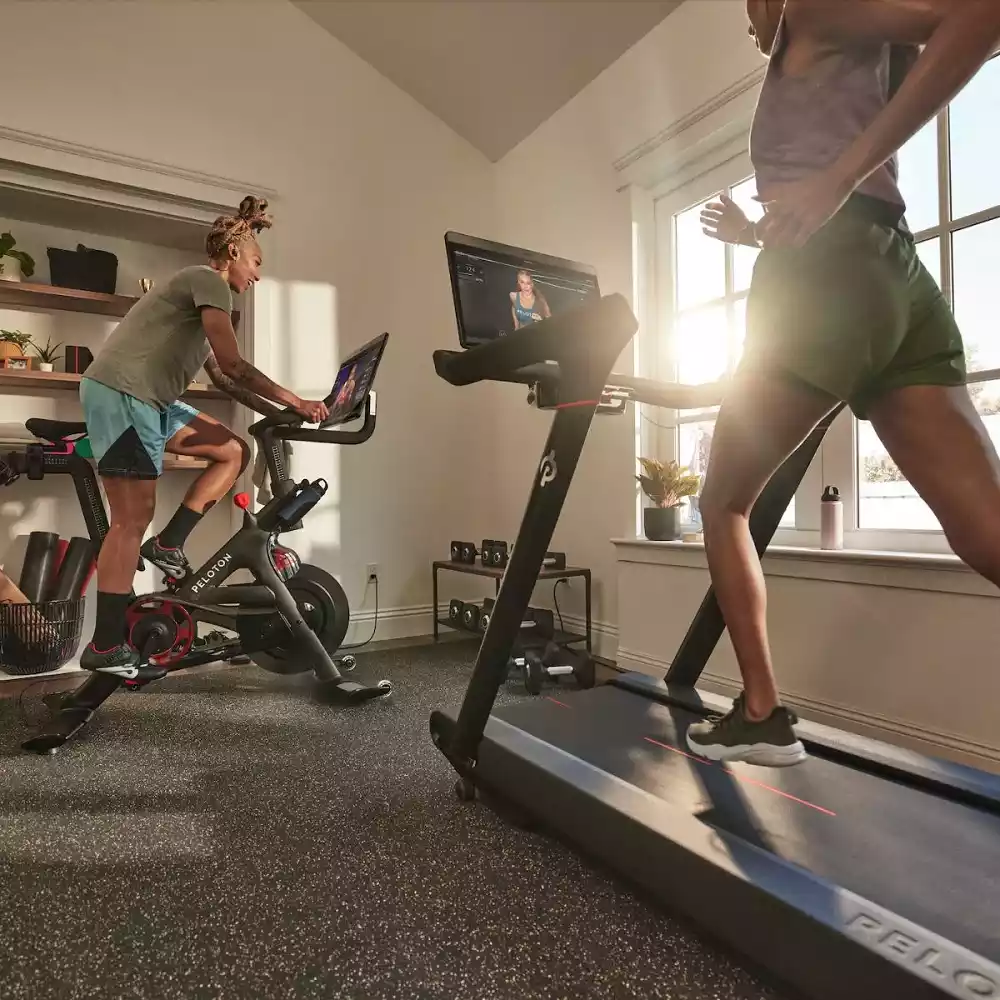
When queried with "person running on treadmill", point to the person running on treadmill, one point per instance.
{"points": [[131, 404], [840, 307]]}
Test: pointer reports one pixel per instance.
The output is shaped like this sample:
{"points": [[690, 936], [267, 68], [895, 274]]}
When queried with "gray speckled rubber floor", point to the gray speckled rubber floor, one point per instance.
{"points": [[226, 835]]}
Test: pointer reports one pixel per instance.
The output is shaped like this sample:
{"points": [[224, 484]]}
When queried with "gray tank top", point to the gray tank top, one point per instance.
{"points": [[803, 123]]}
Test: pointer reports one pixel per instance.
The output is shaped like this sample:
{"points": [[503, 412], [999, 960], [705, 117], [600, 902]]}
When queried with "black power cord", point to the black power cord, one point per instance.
{"points": [[555, 601], [22, 714], [358, 645]]}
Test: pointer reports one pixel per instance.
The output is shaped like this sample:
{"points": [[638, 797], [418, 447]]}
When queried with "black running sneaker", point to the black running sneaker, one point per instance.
{"points": [[770, 743], [173, 562], [120, 661]]}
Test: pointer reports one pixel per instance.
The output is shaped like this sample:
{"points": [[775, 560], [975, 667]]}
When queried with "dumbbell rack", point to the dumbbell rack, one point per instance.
{"points": [[476, 569]]}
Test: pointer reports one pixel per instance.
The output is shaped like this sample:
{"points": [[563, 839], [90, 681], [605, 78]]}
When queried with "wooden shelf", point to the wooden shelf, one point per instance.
{"points": [[14, 379], [171, 463], [23, 294]]}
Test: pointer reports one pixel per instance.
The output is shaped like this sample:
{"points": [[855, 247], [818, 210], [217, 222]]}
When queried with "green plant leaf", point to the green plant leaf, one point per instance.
{"points": [[48, 353], [6, 243], [27, 261]]}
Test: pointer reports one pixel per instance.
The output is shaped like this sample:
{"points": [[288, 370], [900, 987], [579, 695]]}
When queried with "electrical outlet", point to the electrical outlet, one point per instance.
{"points": [[372, 573]]}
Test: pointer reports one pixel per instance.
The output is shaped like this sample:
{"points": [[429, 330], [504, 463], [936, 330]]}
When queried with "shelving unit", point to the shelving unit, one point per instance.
{"points": [[25, 295], [562, 637], [15, 379]]}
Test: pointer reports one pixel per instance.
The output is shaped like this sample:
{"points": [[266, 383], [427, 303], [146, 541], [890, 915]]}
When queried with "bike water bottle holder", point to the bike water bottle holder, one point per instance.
{"points": [[299, 502]]}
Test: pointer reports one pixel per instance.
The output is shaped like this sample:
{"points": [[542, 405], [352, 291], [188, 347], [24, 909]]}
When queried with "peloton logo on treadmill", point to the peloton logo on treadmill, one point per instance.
{"points": [[548, 469], [211, 574], [930, 959]]}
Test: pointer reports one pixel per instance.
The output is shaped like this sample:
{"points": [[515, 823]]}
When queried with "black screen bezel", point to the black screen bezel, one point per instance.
{"points": [[516, 256]]}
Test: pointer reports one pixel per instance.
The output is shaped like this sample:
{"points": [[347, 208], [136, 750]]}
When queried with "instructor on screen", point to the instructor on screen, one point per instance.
{"points": [[527, 305]]}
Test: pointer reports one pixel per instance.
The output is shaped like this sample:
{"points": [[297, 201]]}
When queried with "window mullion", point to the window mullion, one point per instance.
{"points": [[944, 204]]}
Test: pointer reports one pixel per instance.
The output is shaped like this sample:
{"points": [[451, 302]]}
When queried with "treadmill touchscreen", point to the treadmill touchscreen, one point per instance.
{"points": [[354, 381], [499, 289]]}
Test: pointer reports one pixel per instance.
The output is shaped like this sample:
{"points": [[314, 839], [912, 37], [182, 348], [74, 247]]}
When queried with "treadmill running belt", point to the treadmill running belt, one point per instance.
{"points": [[928, 859]]}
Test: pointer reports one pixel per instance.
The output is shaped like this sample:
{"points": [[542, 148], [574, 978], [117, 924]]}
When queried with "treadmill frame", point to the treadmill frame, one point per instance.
{"points": [[811, 933]]}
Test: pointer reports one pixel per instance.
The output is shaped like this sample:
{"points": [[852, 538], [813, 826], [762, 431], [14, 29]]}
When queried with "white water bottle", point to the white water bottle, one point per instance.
{"points": [[831, 519]]}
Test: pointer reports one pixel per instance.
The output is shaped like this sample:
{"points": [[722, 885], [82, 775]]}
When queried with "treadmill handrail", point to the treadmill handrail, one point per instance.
{"points": [[573, 334], [669, 395]]}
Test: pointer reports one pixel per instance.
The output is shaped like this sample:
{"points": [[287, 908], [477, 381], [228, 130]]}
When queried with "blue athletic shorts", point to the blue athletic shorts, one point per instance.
{"points": [[128, 436]]}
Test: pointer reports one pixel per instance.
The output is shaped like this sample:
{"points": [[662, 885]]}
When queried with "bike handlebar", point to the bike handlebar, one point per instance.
{"points": [[288, 426]]}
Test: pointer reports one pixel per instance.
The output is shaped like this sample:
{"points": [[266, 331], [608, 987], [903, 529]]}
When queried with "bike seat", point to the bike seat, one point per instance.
{"points": [[55, 430]]}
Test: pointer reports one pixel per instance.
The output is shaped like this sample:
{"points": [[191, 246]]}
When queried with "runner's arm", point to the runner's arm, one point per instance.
{"points": [[957, 36]]}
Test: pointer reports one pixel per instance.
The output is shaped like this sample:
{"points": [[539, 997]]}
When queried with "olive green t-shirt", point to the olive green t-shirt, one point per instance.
{"points": [[157, 349]]}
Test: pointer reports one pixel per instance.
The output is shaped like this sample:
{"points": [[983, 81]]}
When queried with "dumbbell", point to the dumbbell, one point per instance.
{"points": [[494, 554], [557, 661], [464, 552], [464, 614], [486, 613], [471, 614]]}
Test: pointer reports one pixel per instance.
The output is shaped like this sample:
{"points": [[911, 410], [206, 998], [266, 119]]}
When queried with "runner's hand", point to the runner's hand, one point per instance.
{"points": [[723, 220], [312, 411], [797, 210]]}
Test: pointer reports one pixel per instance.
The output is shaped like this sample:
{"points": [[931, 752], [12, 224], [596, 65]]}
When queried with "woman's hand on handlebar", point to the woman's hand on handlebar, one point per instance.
{"points": [[313, 411]]}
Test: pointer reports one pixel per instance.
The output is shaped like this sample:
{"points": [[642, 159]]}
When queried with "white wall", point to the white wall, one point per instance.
{"points": [[368, 183], [559, 192], [891, 648]]}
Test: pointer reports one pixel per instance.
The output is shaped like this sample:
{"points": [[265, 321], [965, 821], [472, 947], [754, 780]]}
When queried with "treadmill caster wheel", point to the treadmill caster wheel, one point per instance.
{"points": [[465, 790]]}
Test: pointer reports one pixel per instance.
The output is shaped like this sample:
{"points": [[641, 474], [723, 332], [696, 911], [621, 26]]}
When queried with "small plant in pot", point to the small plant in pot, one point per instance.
{"points": [[13, 343], [47, 355], [14, 263], [666, 484]]}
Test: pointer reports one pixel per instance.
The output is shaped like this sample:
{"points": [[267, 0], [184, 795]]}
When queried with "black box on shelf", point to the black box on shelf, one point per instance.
{"points": [[84, 268], [77, 359]]}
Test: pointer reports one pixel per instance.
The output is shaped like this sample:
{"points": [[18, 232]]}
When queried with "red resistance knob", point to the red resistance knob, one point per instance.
{"points": [[242, 500]]}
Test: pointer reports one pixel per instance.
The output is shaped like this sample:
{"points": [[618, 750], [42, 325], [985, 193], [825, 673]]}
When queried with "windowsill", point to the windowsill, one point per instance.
{"points": [[857, 556], [926, 571]]}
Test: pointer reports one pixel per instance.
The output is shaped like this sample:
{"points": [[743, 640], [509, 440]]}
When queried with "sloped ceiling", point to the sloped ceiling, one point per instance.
{"points": [[493, 70]]}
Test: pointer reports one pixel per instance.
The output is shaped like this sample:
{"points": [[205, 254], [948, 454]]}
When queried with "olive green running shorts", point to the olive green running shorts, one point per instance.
{"points": [[854, 312]]}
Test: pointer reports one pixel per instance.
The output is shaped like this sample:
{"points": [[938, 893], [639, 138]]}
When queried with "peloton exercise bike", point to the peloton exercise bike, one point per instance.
{"points": [[291, 619], [866, 872]]}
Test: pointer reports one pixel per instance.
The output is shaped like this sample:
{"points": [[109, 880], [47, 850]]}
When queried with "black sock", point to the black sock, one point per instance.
{"points": [[175, 534], [109, 631]]}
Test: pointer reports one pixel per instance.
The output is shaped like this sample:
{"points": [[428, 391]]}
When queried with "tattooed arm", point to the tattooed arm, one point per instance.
{"points": [[247, 397], [221, 336]]}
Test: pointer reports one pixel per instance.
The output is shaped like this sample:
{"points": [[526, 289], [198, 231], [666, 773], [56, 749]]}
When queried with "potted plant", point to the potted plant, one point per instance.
{"points": [[13, 344], [666, 484], [14, 263], [47, 355]]}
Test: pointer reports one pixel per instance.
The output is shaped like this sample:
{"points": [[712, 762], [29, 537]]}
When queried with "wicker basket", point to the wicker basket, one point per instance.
{"points": [[39, 638]]}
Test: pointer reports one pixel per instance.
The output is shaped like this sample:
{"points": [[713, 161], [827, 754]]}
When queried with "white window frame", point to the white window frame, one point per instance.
{"points": [[837, 460]]}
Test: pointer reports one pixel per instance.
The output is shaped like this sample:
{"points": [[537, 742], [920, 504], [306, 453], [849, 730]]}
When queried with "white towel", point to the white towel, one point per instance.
{"points": [[260, 477]]}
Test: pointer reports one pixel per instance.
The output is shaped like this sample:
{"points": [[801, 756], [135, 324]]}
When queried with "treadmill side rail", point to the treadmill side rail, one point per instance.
{"points": [[820, 938], [950, 780]]}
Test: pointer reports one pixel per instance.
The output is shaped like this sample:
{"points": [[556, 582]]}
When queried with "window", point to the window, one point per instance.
{"points": [[708, 316], [950, 177]]}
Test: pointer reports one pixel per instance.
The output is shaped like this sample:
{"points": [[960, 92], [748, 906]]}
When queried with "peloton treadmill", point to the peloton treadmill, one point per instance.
{"points": [[865, 873]]}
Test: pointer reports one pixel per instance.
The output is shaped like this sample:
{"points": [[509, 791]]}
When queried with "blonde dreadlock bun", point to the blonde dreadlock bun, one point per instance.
{"points": [[232, 230]]}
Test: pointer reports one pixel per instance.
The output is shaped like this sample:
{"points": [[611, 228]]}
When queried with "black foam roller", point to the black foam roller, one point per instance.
{"points": [[39, 564], [75, 567]]}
